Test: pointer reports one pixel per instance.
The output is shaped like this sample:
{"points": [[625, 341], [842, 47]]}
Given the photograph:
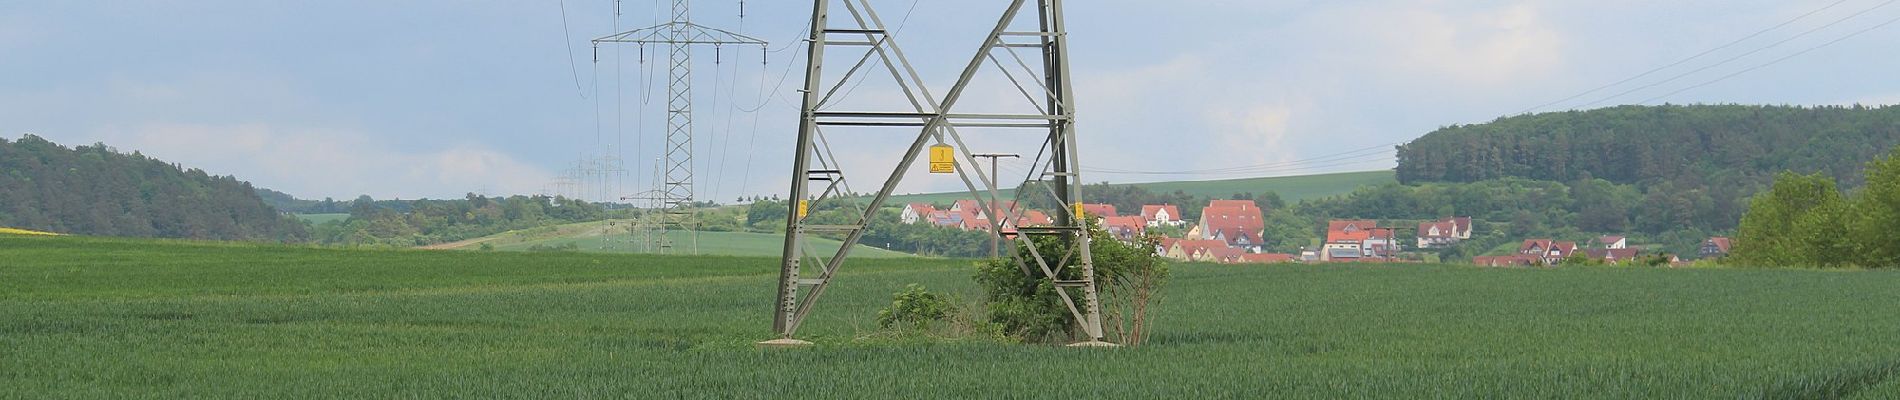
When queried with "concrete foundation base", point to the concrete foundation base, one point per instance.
{"points": [[1095, 343], [786, 343]]}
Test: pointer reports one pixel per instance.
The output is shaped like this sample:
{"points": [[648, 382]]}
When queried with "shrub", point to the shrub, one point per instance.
{"points": [[913, 307], [1128, 276]]}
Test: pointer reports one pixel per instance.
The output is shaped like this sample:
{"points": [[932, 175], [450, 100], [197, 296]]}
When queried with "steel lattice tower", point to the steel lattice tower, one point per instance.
{"points": [[679, 36], [817, 179]]}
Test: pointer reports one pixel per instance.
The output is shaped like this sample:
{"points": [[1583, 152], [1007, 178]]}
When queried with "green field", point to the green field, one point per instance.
{"points": [[611, 237], [706, 243], [1291, 188], [110, 318], [319, 219]]}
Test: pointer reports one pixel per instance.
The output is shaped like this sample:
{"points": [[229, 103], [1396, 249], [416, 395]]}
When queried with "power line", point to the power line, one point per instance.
{"points": [[1686, 60], [571, 68], [1297, 166], [1359, 152], [1776, 61], [1743, 55]]}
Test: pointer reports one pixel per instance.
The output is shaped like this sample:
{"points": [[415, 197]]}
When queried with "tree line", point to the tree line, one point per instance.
{"points": [[425, 222], [96, 190]]}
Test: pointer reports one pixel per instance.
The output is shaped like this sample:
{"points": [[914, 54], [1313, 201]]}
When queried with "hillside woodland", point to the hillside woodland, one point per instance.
{"points": [[96, 190]]}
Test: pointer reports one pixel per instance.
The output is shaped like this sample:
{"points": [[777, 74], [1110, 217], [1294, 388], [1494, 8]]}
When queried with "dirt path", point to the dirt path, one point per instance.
{"points": [[594, 228]]}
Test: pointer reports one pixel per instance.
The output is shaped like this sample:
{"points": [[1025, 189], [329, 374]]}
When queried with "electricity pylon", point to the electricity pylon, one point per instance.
{"points": [[679, 36], [935, 120]]}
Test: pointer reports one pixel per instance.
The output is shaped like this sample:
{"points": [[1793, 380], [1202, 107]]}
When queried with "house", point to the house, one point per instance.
{"points": [[1126, 229], [1193, 250], [1162, 246], [917, 212], [1341, 254], [1243, 204], [1036, 218], [1443, 233], [944, 218], [1546, 251], [1613, 242], [1715, 247], [1222, 255], [969, 209], [1099, 210], [1237, 227], [1162, 215], [1361, 236], [1616, 255], [969, 215]]}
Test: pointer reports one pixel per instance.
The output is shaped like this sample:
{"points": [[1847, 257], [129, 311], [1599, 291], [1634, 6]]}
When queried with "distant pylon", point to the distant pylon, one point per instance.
{"points": [[679, 36]]}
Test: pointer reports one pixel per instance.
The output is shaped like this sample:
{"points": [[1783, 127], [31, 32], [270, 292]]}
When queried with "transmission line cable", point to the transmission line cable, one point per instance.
{"points": [[1743, 55], [1687, 60], [572, 69], [1775, 61]]}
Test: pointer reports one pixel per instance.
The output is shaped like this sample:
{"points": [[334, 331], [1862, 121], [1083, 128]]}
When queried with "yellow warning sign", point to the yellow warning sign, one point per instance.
{"points": [[1079, 214], [804, 208], [943, 159]]}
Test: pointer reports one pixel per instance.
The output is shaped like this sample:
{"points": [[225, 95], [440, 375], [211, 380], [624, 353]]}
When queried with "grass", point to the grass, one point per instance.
{"points": [[320, 219], [108, 318], [610, 237], [1290, 188]]}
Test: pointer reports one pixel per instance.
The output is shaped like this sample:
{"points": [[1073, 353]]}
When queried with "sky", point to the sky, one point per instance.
{"points": [[436, 99]]}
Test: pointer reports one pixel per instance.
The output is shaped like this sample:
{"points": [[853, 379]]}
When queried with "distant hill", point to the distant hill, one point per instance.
{"points": [[612, 237], [1290, 188], [95, 190], [1685, 146]]}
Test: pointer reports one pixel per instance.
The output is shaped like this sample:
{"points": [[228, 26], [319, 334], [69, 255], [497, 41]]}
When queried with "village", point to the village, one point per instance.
{"points": [[1231, 232]]}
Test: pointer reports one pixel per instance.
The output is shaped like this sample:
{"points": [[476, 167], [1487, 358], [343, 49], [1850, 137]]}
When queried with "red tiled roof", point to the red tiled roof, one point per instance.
{"points": [[1614, 255], [1350, 231], [1036, 218], [1721, 243], [1240, 204], [1446, 229], [1099, 210], [1224, 254], [1233, 223], [1191, 247]]}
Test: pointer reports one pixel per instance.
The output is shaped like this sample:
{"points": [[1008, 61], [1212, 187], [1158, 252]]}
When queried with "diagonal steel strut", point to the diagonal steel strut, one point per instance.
{"points": [[937, 124]]}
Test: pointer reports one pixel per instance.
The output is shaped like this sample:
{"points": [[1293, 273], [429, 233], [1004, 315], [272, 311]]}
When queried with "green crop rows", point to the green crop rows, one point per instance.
{"points": [[92, 318]]}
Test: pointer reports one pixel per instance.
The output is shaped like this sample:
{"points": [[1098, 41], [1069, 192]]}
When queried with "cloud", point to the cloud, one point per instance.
{"points": [[1440, 41], [1256, 133], [315, 162]]}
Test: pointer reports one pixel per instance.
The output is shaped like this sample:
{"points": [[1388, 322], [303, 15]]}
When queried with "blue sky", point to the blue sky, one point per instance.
{"points": [[438, 98]]}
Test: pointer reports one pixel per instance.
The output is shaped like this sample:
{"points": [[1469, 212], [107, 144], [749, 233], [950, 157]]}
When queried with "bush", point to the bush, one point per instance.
{"points": [[1128, 276], [913, 307]]}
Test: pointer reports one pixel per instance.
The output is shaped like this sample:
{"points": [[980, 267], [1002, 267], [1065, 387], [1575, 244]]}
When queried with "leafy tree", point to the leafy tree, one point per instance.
{"points": [[1790, 224], [1877, 212]]}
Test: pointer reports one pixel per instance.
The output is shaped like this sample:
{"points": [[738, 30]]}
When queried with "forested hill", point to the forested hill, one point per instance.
{"points": [[1685, 146], [95, 190]]}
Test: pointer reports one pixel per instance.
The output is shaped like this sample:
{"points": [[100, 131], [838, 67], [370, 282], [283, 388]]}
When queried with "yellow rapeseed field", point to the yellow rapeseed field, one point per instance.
{"points": [[11, 231]]}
